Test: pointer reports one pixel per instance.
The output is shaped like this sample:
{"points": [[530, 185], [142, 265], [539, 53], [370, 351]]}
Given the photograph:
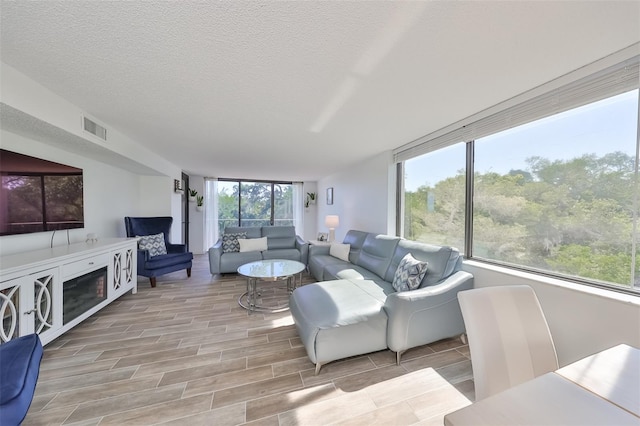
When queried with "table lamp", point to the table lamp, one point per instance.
{"points": [[332, 222]]}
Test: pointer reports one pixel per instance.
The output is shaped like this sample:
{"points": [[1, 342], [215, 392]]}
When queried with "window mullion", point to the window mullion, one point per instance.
{"points": [[468, 210], [239, 203], [272, 219]]}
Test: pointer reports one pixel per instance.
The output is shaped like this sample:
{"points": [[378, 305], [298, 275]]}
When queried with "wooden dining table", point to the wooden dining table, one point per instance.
{"points": [[601, 389]]}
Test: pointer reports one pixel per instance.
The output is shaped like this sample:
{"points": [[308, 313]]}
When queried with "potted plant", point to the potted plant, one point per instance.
{"points": [[192, 195], [311, 198], [200, 203]]}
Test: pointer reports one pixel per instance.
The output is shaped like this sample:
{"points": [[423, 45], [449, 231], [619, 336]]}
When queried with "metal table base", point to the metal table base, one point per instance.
{"points": [[249, 299]]}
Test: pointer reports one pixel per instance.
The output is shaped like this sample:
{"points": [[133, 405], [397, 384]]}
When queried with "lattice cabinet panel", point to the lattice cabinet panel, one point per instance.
{"points": [[43, 291], [28, 305], [117, 271], [10, 310], [123, 270], [130, 259]]}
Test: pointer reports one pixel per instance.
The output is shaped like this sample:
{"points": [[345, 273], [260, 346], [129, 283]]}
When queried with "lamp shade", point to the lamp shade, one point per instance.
{"points": [[332, 221]]}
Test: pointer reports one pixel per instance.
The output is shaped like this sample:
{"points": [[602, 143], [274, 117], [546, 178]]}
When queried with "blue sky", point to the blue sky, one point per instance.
{"points": [[599, 128]]}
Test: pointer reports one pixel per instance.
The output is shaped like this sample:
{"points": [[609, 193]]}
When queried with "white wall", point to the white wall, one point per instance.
{"points": [[157, 198], [361, 197], [109, 195], [310, 213], [196, 218]]}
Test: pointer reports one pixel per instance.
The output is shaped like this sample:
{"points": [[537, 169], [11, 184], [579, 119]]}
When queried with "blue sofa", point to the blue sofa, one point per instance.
{"points": [[354, 308], [282, 242]]}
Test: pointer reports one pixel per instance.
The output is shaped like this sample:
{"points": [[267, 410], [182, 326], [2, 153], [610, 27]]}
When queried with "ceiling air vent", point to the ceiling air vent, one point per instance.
{"points": [[94, 128]]}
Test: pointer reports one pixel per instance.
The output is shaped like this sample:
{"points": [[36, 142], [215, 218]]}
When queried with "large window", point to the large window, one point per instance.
{"points": [[250, 203], [434, 197], [556, 195]]}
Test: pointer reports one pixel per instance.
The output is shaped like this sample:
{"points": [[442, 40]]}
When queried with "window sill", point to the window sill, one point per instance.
{"points": [[472, 266]]}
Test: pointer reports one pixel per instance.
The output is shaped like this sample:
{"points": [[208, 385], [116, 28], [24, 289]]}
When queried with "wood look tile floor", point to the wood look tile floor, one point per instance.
{"points": [[185, 353]]}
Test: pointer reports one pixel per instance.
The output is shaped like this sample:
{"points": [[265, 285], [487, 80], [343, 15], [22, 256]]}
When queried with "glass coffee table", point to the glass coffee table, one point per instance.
{"points": [[268, 271]]}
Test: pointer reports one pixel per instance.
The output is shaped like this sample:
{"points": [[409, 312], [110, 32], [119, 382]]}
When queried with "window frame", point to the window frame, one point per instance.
{"points": [[272, 183], [606, 83]]}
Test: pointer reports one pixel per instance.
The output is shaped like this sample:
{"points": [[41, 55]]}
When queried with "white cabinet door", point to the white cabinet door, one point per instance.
{"points": [[46, 306], [124, 272], [31, 303], [11, 293]]}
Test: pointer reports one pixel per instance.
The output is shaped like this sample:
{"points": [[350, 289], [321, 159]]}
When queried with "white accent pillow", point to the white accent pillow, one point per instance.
{"points": [[341, 251], [253, 244]]}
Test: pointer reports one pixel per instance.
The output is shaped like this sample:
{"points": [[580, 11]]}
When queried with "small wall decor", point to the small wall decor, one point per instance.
{"points": [[329, 196], [177, 186], [200, 203], [310, 199], [311, 196], [192, 195]]}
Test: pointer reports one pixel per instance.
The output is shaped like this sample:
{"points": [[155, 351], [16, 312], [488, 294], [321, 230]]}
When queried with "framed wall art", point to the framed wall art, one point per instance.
{"points": [[329, 196]]}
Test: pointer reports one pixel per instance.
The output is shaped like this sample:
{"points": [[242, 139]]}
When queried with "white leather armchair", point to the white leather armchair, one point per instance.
{"points": [[509, 338], [413, 315]]}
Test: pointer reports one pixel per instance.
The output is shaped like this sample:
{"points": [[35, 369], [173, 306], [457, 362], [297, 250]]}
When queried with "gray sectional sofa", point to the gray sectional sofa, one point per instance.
{"points": [[354, 309], [282, 241]]}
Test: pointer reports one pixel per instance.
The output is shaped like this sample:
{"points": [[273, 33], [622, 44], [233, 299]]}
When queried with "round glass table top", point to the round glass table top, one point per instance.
{"points": [[271, 268]]}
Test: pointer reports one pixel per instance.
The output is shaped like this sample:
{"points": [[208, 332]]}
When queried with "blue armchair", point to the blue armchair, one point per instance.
{"points": [[19, 369], [176, 258]]}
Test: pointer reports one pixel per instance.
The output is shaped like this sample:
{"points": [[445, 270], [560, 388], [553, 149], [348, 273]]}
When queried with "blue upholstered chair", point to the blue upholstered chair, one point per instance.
{"points": [[149, 265], [19, 369]]}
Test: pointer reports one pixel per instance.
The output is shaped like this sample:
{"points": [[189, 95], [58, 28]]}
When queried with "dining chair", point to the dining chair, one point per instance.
{"points": [[508, 336]]}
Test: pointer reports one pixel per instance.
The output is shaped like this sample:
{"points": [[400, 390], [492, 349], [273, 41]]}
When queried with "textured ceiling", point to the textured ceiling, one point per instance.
{"points": [[299, 90]]}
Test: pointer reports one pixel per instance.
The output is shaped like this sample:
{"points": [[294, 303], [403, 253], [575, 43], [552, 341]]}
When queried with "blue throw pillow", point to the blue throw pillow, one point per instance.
{"points": [[409, 274]]}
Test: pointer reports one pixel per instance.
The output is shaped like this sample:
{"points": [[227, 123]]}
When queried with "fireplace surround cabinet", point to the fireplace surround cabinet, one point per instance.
{"points": [[52, 290]]}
